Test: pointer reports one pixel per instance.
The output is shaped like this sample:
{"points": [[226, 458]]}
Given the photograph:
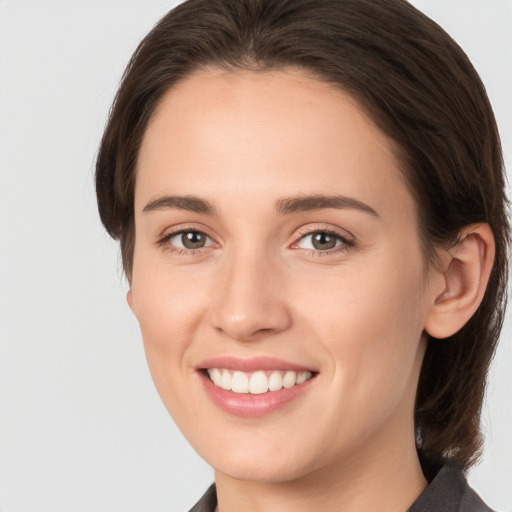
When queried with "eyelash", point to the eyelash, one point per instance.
{"points": [[346, 243], [163, 242]]}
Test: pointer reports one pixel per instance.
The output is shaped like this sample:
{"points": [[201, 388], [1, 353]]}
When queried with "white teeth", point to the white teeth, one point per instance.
{"points": [[226, 379], [275, 383], [240, 382], [289, 380], [258, 382], [216, 376], [303, 377]]}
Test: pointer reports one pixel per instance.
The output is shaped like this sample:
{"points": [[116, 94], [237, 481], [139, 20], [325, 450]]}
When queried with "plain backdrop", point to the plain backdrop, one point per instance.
{"points": [[81, 425]]}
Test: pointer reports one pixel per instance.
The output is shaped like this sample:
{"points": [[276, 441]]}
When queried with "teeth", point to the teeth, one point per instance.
{"points": [[289, 380], [303, 377], [240, 383], [216, 376], [225, 380], [258, 382], [275, 382]]}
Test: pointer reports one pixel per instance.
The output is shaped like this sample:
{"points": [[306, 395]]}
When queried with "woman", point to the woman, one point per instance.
{"points": [[309, 197]]}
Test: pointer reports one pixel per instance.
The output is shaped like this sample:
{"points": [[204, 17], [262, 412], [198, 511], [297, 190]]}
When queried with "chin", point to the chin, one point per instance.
{"points": [[259, 465], [271, 474]]}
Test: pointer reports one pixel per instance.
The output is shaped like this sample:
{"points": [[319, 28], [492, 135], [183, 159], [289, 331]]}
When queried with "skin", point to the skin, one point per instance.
{"points": [[243, 141]]}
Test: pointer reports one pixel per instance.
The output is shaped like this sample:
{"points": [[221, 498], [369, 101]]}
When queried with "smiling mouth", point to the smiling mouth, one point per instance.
{"points": [[258, 382]]}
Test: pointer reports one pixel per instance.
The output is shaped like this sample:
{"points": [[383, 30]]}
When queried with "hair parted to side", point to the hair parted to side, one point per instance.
{"points": [[416, 84]]}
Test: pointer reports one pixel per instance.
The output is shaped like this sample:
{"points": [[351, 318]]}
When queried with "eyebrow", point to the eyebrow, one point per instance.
{"points": [[283, 206], [189, 203], [320, 202]]}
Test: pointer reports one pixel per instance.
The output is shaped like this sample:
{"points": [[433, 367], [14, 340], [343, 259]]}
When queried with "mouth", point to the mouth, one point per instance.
{"points": [[257, 382], [254, 387]]}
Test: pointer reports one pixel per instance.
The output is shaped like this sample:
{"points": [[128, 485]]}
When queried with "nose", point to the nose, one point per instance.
{"points": [[250, 299]]}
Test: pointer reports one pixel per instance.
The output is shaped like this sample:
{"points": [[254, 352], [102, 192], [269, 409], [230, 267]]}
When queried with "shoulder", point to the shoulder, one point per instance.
{"points": [[208, 502], [449, 491]]}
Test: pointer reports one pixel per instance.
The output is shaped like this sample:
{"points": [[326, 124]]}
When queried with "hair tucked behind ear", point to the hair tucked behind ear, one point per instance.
{"points": [[421, 90]]}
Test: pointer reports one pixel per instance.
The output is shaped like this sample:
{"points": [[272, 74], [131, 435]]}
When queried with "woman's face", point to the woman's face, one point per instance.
{"points": [[276, 240]]}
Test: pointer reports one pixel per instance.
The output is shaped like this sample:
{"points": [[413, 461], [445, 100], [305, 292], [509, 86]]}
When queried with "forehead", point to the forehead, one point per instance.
{"points": [[273, 131]]}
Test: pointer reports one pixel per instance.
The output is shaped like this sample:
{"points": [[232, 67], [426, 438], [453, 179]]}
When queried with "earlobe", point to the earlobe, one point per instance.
{"points": [[129, 299], [465, 271]]}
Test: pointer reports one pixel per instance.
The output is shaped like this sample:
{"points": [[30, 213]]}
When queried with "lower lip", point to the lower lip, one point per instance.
{"points": [[248, 405]]}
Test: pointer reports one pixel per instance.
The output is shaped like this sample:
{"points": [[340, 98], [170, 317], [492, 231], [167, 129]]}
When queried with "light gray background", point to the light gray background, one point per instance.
{"points": [[81, 426]]}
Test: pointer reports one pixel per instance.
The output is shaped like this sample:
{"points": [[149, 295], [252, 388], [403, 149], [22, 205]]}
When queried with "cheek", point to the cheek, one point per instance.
{"points": [[167, 304], [169, 308], [370, 321]]}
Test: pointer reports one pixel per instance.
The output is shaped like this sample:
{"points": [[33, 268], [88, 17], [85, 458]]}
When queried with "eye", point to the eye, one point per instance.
{"points": [[323, 241], [187, 239]]}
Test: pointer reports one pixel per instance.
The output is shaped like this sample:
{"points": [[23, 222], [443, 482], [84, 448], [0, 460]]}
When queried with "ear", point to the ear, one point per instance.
{"points": [[461, 281], [129, 299]]}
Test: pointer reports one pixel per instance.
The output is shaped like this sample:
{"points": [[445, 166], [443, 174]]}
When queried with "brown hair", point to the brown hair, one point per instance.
{"points": [[419, 87]]}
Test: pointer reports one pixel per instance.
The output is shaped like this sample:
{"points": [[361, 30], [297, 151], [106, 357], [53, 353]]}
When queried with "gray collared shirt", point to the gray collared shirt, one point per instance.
{"points": [[448, 491]]}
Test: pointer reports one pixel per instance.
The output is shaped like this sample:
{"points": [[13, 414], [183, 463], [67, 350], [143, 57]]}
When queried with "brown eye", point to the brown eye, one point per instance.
{"points": [[189, 240], [193, 239], [323, 241]]}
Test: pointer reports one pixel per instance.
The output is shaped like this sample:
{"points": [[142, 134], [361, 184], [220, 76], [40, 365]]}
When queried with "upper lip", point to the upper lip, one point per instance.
{"points": [[251, 365]]}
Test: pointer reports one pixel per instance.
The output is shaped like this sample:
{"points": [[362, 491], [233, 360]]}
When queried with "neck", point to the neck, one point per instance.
{"points": [[386, 479]]}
